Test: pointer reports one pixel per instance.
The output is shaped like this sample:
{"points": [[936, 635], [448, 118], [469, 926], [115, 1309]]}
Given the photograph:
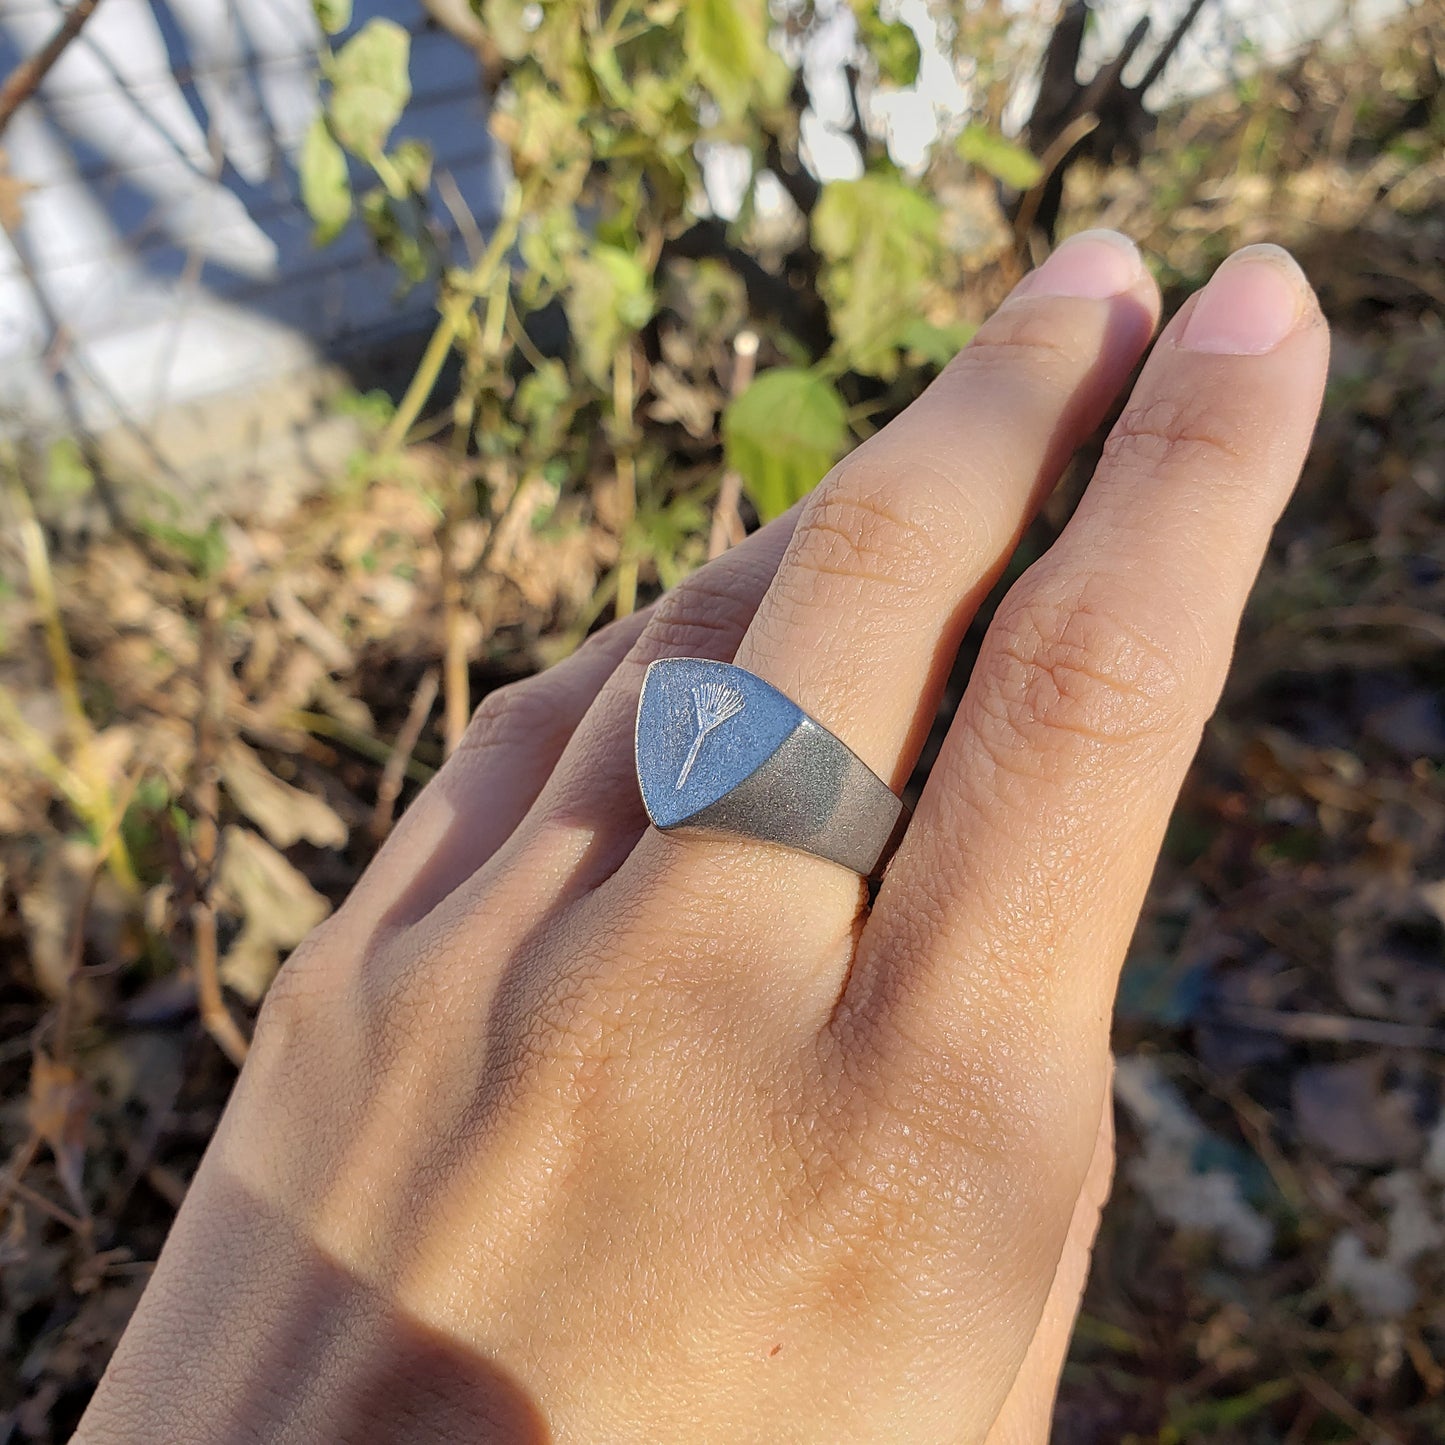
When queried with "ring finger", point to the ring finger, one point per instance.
{"points": [[895, 549]]}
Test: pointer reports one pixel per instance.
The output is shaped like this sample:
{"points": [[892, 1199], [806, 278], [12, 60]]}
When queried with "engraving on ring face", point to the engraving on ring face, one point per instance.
{"points": [[715, 703]]}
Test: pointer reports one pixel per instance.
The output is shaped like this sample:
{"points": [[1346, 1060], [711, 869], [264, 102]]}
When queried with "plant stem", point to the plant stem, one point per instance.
{"points": [[454, 313], [623, 401]]}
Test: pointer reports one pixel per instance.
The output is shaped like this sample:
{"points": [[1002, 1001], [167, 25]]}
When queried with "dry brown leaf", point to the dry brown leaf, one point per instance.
{"points": [[307, 628], [57, 1111], [48, 905], [1432, 895], [1347, 1110], [695, 408], [275, 903], [103, 759], [284, 814], [12, 196]]}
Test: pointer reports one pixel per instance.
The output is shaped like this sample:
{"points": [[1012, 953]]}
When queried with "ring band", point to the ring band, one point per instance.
{"points": [[721, 751]]}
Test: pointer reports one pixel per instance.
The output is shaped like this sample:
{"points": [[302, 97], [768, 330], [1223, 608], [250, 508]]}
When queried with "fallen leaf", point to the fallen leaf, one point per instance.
{"points": [[57, 1111], [49, 906], [276, 904], [1207, 1201], [1346, 1110], [308, 629], [284, 814], [12, 196], [1383, 1284]]}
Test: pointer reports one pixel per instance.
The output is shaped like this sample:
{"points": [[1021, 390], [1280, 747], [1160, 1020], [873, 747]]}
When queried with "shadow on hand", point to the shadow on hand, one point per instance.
{"points": [[424, 1385], [249, 1332]]}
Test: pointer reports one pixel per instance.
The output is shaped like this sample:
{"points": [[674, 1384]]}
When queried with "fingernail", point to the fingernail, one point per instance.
{"points": [[1093, 265], [1249, 306]]}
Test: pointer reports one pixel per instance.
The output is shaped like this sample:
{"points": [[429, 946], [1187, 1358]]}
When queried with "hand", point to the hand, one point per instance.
{"points": [[564, 1129]]}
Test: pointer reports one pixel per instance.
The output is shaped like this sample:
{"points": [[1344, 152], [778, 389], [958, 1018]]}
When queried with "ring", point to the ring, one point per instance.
{"points": [[721, 751]]}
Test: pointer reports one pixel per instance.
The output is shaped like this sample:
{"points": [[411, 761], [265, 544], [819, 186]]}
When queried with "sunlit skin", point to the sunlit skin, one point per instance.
{"points": [[565, 1129]]}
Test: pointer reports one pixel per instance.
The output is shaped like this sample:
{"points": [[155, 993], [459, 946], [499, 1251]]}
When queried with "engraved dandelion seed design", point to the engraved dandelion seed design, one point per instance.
{"points": [[715, 702]]}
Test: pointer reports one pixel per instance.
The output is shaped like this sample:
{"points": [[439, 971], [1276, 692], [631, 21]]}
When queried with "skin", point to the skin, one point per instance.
{"points": [[563, 1129]]}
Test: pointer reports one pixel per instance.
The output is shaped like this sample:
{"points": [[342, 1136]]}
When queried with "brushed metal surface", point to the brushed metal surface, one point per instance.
{"points": [[721, 751]]}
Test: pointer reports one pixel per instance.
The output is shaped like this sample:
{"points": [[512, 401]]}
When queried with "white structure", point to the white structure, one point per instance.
{"points": [[164, 255]]}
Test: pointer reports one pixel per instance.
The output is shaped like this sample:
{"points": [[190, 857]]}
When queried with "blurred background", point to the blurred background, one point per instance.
{"points": [[353, 363]]}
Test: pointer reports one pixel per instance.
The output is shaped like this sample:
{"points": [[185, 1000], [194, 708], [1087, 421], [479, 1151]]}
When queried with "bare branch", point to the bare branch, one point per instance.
{"points": [[23, 81]]}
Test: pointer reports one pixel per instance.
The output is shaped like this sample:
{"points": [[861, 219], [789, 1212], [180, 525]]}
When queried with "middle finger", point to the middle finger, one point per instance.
{"points": [[897, 546]]}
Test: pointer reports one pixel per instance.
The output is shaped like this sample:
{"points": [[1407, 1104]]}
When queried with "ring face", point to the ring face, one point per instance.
{"points": [[722, 751]]}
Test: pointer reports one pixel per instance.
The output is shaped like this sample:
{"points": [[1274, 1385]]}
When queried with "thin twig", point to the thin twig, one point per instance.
{"points": [[455, 311], [461, 214], [1053, 157], [205, 793], [167, 1184], [1338, 1406], [23, 1158], [75, 947], [72, 1222], [624, 401], [323, 725], [727, 524], [787, 163], [83, 784], [455, 675], [1330, 1028], [392, 774], [1386, 614], [857, 130], [64, 362], [42, 585], [1166, 51], [25, 79]]}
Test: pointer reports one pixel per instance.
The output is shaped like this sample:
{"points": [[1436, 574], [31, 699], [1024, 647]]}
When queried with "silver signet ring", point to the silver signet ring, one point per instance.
{"points": [[721, 751]]}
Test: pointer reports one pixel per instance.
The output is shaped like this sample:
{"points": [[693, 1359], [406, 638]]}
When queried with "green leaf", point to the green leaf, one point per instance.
{"points": [[369, 86], [879, 241], [507, 27], [727, 45], [923, 341], [204, 552], [67, 475], [1003, 159], [782, 434], [333, 16], [325, 185], [412, 160], [544, 132], [373, 409], [545, 402], [894, 47], [542, 393], [609, 298], [395, 236]]}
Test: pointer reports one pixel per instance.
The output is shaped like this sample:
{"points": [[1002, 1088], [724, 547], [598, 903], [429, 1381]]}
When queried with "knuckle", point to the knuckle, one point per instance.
{"points": [[1075, 669], [855, 526], [708, 612], [701, 611], [303, 993], [986, 1099], [520, 713], [1172, 436], [1029, 336], [974, 1102]]}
